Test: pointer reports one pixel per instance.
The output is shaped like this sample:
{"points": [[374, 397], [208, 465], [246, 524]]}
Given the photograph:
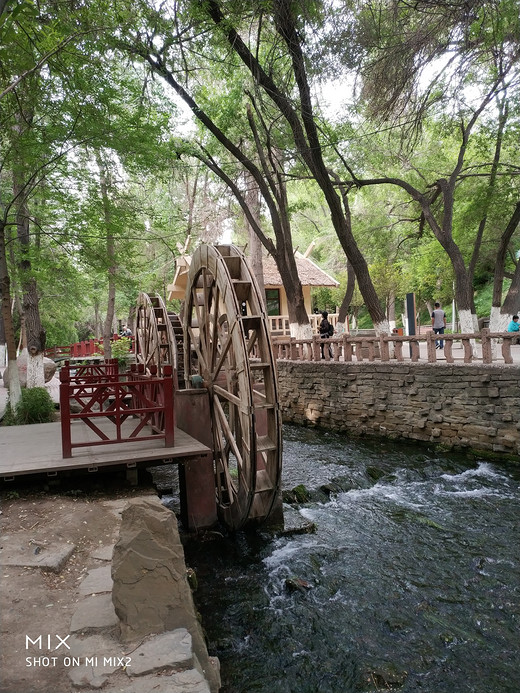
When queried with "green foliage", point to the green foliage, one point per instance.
{"points": [[90, 97], [121, 348], [36, 406]]}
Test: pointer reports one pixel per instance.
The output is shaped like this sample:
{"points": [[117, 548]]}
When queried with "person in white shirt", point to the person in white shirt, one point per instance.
{"points": [[438, 324]]}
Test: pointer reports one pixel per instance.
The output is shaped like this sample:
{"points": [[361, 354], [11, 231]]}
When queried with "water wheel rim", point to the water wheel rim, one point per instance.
{"points": [[218, 350], [155, 339]]}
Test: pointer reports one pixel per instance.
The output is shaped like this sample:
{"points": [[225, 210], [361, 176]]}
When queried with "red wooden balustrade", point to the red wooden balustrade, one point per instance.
{"points": [[143, 402], [85, 349]]}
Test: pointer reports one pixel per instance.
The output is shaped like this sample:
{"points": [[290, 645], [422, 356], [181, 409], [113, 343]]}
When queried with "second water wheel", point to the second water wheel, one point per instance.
{"points": [[154, 334], [228, 351]]}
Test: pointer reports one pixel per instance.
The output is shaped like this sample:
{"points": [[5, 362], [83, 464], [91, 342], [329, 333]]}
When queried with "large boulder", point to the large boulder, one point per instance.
{"points": [[150, 590], [49, 369]]}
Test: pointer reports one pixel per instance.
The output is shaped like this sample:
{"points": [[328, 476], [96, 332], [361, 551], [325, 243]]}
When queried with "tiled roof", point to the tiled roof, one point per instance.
{"points": [[309, 273]]}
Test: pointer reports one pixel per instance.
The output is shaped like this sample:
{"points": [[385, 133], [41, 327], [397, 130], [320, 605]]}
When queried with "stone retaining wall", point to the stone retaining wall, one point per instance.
{"points": [[458, 406]]}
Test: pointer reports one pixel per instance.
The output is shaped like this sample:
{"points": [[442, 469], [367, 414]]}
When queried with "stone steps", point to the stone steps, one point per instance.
{"points": [[157, 663]]}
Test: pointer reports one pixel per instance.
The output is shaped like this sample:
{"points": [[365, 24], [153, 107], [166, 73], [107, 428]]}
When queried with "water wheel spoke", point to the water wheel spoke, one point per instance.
{"points": [[214, 328], [227, 395], [196, 345], [222, 356], [252, 341], [202, 336], [228, 436]]}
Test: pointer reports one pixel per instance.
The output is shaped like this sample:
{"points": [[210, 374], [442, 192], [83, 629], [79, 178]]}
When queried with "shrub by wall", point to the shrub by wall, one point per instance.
{"points": [[457, 406]]}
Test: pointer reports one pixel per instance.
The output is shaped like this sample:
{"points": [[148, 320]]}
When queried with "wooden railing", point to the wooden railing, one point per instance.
{"points": [[279, 324], [86, 349], [393, 347], [102, 394]]}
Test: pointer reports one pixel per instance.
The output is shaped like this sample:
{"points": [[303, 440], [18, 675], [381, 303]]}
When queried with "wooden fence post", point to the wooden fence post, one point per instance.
{"points": [[66, 442], [169, 414], [487, 355]]}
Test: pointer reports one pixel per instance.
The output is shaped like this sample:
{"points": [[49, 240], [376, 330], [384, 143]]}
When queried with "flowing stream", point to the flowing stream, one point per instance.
{"points": [[410, 582]]}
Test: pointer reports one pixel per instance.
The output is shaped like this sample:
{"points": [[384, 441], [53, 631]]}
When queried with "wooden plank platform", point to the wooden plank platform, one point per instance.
{"points": [[36, 449]]}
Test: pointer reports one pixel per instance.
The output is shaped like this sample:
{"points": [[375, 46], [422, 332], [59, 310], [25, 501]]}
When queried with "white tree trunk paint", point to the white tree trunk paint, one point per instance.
{"points": [[15, 391], [498, 322], [382, 328], [35, 375], [391, 323], [3, 355], [340, 328], [300, 331], [468, 322]]}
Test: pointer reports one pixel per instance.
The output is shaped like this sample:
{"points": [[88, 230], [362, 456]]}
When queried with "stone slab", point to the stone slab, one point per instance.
{"points": [[98, 580], [94, 613], [190, 681], [99, 657], [171, 649], [16, 551], [104, 553]]}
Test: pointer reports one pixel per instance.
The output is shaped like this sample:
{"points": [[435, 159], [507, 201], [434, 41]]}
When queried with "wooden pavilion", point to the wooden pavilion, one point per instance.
{"points": [[311, 277]]}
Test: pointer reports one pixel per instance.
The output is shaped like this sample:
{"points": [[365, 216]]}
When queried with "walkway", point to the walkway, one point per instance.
{"points": [[36, 449]]}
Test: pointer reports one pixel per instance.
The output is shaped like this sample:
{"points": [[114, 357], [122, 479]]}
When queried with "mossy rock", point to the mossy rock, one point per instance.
{"points": [[299, 494]]}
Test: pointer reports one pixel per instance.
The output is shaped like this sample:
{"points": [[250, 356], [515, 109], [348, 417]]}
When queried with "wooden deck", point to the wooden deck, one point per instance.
{"points": [[36, 449]]}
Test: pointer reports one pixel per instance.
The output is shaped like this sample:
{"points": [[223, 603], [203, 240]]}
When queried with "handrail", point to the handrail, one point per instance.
{"points": [[280, 325], [84, 349], [101, 392], [389, 347]]}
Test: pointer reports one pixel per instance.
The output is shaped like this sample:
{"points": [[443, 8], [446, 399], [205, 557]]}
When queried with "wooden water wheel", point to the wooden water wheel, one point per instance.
{"points": [[228, 351], [155, 338]]}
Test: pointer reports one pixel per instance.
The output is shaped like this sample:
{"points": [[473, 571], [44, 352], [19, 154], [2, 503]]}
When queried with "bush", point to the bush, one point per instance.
{"points": [[120, 349], [36, 406]]}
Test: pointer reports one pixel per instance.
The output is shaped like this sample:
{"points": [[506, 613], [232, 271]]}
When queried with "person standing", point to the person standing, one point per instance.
{"points": [[326, 330], [439, 324]]}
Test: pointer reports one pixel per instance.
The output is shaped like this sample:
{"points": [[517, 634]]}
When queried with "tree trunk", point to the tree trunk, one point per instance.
{"points": [[299, 324], [15, 392], [501, 314], [344, 308], [3, 345], [252, 198], [34, 333], [111, 258], [391, 309]]}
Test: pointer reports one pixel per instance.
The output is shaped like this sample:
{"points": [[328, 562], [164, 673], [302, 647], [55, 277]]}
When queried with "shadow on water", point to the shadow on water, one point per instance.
{"points": [[410, 581]]}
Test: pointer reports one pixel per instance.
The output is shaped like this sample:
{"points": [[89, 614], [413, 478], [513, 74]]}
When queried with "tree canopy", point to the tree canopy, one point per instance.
{"points": [[387, 132]]}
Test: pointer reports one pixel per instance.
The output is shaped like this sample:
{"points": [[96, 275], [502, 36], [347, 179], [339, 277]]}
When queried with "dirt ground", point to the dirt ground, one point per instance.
{"points": [[36, 601]]}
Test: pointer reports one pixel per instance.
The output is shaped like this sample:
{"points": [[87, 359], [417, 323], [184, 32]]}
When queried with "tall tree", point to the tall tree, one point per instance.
{"points": [[297, 109], [480, 48]]}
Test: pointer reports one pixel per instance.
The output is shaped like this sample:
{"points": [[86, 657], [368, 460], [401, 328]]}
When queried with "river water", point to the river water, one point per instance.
{"points": [[411, 581]]}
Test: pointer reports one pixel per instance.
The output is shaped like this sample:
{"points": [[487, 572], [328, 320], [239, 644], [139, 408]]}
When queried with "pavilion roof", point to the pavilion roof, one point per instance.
{"points": [[310, 274]]}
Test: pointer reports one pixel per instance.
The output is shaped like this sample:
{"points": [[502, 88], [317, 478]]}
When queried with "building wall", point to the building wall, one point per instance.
{"points": [[457, 406], [284, 308]]}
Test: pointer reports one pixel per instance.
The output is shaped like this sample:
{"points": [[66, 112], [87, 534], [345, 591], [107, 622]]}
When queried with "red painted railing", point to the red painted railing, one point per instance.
{"points": [[85, 349], [142, 404]]}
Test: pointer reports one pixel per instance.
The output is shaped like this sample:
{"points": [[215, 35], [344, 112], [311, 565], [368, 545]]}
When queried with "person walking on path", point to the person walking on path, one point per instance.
{"points": [[326, 331], [439, 324]]}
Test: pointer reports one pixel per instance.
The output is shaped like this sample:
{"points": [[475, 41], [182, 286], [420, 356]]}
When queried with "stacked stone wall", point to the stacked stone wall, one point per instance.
{"points": [[457, 406]]}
